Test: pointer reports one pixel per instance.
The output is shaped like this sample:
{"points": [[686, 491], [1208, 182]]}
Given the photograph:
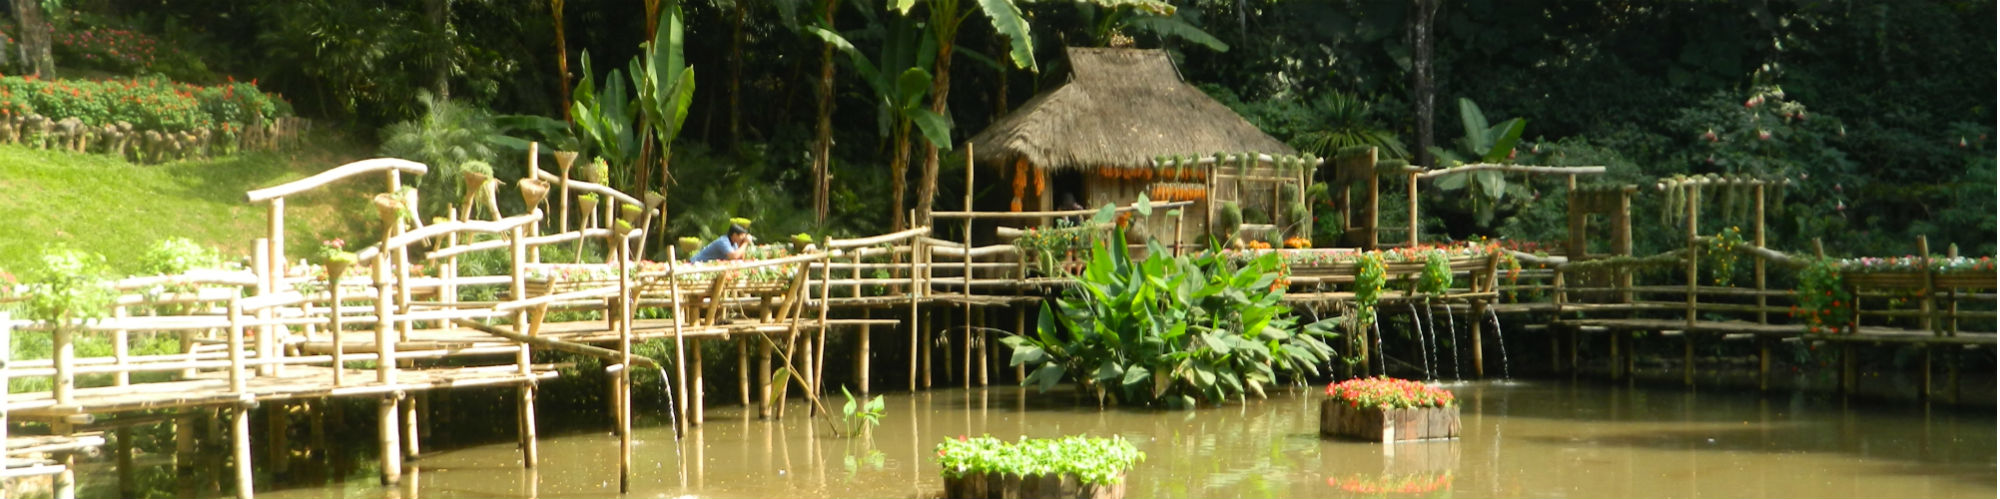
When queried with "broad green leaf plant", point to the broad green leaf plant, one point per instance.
{"points": [[1170, 329]]}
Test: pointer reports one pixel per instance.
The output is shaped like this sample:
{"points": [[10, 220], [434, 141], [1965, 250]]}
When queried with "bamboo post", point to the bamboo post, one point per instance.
{"points": [[1021, 328], [622, 258], [742, 362], [237, 381], [410, 427], [1623, 243], [525, 410], [1928, 304], [1411, 191], [966, 258], [385, 346], [825, 302], [277, 242], [127, 486], [1951, 296], [333, 330], [916, 330], [764, 398], [694, 383], [267, 344], [7, 372], [276, 420], [1757, 237], [1694, 253], [392, 449], [239, 436], [121, 350], [861, 357], [1374, 200], [1764, 365]]}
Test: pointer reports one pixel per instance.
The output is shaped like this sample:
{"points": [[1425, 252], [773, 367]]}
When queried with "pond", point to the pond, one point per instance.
{"points": [[1521, 439]]}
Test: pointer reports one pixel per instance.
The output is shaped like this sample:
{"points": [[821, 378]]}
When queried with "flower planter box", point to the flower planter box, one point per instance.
{"points": [[1043, 486], [1972, 280], [1338, 419]]}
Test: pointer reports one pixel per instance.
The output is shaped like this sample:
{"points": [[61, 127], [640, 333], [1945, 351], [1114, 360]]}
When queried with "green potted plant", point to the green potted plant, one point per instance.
{"points": [[801, 241], [334, 255], [689, 245], [1388, 410], [1073, 466]]}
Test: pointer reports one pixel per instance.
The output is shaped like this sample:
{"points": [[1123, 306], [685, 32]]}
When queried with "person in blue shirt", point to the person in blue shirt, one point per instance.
{"points": [[730, 246]]}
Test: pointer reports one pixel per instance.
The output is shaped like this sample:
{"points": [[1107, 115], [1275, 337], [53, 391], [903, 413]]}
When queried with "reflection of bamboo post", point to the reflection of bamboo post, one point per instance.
{"points": [[126, 483], [410, 427], [694, 383], [983, 353], [966, 258]]}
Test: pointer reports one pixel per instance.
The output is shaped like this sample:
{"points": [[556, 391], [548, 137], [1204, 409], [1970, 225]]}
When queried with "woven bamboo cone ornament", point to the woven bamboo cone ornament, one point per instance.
{"points": [[533, 191]]}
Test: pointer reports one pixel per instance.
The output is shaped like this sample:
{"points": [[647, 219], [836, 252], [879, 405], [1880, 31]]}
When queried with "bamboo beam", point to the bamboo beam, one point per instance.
{"points": [[1023, 215]]}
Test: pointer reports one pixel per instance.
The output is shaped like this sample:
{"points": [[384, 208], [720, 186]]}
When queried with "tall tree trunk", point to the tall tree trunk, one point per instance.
{"points": [[1422, 93], [735, 74], [823, 135], [36, 37], [899, 171], [940, 89], [562, 57], [440, 16]]}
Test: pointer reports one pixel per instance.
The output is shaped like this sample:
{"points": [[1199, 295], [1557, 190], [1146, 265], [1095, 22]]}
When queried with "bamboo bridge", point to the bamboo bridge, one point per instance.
{"points": [[280, 335]]}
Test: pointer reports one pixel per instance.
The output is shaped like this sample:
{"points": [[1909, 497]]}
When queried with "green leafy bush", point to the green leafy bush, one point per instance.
{"points": [[1095, 461], [1170, 328]]}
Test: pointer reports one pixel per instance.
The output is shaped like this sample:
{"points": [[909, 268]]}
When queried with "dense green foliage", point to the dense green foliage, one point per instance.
{"points": [[1170, 328], [1096, 461]]}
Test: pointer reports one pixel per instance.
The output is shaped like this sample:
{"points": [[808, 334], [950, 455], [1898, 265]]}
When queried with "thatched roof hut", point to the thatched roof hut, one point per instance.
{"points": [[1121, 107], [1094, 138]]}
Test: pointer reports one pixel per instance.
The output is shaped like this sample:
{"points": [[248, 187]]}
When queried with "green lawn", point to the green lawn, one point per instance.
{"points": [[96, 203]]}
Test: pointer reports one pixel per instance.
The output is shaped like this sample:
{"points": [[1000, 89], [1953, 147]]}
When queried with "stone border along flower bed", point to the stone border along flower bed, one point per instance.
{"points": [[1388, 410], [146, 120], [1071, 466]]}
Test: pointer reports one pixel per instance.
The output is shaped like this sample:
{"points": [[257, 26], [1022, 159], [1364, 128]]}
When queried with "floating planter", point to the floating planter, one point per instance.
{"points": [[1388, 410], [1069, 467]]}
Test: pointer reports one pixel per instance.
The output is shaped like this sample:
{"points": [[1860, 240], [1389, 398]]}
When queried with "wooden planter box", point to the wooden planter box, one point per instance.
{"points": [[1338, 419], [1973, 280], [997, 486]]}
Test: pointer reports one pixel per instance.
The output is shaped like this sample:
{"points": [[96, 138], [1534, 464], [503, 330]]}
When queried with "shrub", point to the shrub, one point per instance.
{"points": [[106, 48], [147, 103], [1171, 328]]}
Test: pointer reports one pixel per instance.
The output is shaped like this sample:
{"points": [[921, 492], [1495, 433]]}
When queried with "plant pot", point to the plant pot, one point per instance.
{"points": [[689, 246], [1338, 419], [335, 269], [389, 207], [533, 191], [999, 485]]}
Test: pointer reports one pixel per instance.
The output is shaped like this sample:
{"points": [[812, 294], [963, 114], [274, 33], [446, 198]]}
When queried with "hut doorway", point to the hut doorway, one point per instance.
{"points": [[1069, 189]]}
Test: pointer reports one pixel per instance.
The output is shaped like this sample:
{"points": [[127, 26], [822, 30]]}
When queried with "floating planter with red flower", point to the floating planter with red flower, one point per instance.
{"points": [[1388, 410]]}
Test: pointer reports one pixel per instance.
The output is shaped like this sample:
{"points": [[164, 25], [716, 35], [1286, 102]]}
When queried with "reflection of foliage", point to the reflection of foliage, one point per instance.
{"points": [[1095, 461], [1418, 483]]}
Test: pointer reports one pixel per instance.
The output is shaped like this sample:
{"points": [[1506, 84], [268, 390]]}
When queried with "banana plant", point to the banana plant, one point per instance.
{"points": [[898, 83], [1482, 143], [665, 85], [1105, 17], [603, 118]]}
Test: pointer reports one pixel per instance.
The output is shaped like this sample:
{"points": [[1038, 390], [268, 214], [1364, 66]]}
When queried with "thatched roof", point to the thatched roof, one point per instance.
{"points": [[1121, 107]]}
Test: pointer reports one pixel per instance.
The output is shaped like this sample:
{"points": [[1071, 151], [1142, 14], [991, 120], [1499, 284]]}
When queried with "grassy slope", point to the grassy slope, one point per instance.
{"points": [[117, 209]]}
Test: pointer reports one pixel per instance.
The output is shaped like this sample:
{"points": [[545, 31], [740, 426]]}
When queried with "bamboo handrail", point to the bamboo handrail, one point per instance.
{"points": [[834, 244], [337, 173], [1555, 170], [1061, 213], [590, 187]]}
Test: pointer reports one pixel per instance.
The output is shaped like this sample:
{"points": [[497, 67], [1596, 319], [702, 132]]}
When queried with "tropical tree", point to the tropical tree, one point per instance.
{"points": [[898, 82]]}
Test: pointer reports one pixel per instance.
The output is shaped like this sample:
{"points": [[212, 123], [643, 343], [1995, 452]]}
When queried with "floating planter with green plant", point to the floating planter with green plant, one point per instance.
{"points": [[1388, 410], [1073, 466]]}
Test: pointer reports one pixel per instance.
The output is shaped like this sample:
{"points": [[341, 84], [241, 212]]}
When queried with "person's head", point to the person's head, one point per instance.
{"points": [[738, 235], [1068, 202]]}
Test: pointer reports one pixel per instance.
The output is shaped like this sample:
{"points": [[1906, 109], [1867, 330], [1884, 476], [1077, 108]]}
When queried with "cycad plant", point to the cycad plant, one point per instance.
{"points": [[446, 137], [1339, 121]]}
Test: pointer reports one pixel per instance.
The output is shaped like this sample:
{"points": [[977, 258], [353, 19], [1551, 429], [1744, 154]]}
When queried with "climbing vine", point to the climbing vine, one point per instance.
{"points": [[1720, 255], [1436, 277]]}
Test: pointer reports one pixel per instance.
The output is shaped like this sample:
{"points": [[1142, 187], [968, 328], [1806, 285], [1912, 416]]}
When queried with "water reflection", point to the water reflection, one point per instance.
{"points": [[1519, 439]]}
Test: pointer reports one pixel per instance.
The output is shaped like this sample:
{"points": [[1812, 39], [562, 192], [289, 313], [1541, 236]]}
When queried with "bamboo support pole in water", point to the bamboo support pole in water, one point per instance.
{"points": [[390, 436], [825, 302], [239, 437], [624, 311], [742, 362], [412, 450], [524, 419], [696, 396], [980, 319], [861, 359], [966, 259], [1411, 191], [916, 330]]}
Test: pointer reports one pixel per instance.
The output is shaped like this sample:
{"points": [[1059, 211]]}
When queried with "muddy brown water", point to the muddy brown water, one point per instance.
{"points": [[1521, 439]]}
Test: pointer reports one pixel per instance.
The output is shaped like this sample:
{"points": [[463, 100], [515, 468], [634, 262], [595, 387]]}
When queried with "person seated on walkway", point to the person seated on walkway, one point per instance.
{"points": [[731, 246]]}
